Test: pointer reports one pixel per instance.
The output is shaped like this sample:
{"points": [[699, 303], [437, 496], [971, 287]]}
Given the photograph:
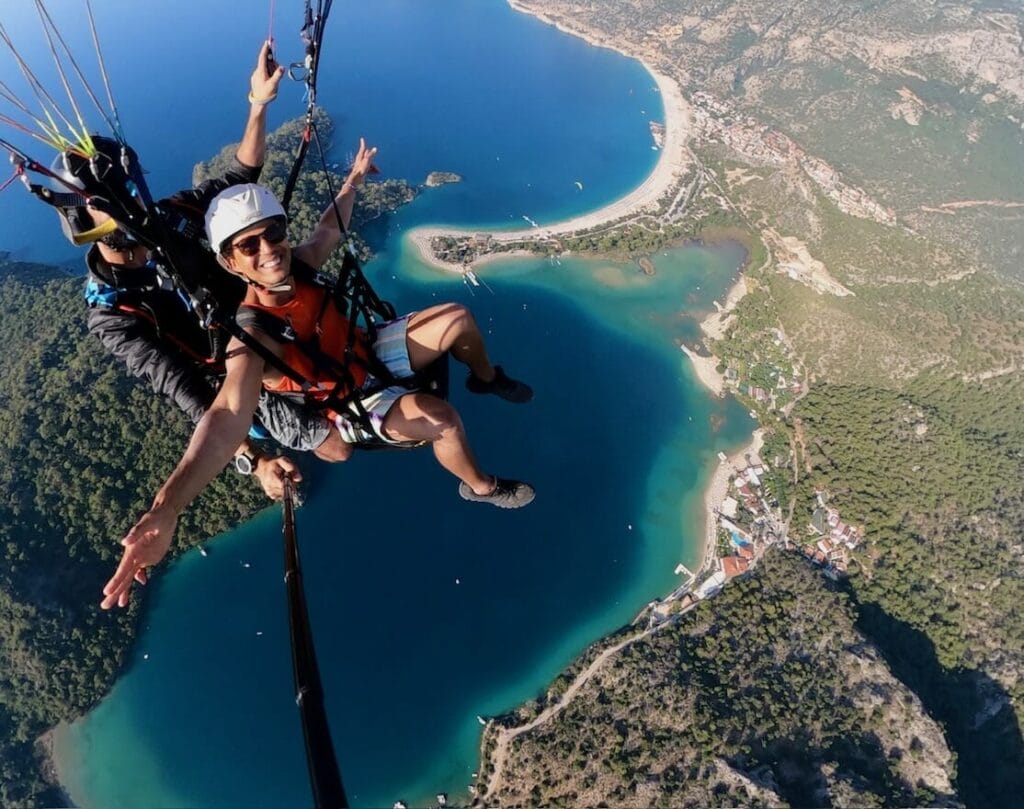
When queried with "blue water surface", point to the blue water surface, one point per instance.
{"points": [[520, 110], [427, 610]]}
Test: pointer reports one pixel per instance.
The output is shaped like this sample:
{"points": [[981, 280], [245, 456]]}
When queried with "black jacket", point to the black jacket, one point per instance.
{"points": [[148, 325]]}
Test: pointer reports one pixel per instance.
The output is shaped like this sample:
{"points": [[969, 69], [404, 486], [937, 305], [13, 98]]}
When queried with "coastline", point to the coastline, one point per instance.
{"points": [[714, 327], [663, 179], [46, 745], [706, 370], [718, 487]]}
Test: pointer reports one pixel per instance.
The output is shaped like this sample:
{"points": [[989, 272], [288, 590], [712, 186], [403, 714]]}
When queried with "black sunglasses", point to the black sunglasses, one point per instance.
{"points": [[275, 233]]}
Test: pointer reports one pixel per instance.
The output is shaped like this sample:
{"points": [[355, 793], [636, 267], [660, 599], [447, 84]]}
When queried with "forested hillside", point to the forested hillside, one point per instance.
{"points": [[766, 696], [83, 449]]}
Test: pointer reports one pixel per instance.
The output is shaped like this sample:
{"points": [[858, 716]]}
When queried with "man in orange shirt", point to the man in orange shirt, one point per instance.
{"points": [[247, 226]]}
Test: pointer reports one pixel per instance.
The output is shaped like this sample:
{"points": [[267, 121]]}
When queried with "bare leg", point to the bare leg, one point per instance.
{"points": [[422, 417], [448, 327], [334, 449]]}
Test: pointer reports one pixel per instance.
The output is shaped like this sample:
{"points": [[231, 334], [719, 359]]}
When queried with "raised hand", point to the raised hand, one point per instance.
{"points": [[266, 77], [362, 165]]}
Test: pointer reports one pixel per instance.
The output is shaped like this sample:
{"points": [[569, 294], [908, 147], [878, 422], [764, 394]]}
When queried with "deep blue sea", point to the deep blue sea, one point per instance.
{"points": [[427, 610]]}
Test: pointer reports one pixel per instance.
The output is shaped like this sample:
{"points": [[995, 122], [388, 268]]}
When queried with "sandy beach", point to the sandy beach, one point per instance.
{"points": [[664, 179], [717, 323], [45, 744], [706, 369], [714, 327]]}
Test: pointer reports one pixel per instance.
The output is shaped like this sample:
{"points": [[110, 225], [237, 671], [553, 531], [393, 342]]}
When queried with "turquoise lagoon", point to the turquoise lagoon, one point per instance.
{"points": [[427, 610]]}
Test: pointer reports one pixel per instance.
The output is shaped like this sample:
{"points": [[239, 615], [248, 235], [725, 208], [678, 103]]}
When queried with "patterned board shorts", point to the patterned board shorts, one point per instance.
{"points": [[392, 350]]}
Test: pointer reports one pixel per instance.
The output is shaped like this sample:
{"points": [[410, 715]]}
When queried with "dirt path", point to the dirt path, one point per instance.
{"points": [[505, 736]]}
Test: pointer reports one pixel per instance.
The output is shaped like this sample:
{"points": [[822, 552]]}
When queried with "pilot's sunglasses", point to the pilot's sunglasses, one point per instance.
{"points": [[274, 234]]}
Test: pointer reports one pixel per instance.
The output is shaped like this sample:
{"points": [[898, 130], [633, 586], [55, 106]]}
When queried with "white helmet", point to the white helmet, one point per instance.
{"points": [[236, 208]]}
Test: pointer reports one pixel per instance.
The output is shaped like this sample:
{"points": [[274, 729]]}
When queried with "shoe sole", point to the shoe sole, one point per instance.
{"points": [[472, 497]]}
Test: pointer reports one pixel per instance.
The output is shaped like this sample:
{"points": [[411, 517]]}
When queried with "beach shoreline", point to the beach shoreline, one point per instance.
{"points": [[46, 747], [717, 489], [714, 327], [664, 179]]}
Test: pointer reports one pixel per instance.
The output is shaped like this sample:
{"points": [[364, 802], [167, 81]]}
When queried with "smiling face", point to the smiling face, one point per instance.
{"points": [[260, 253]]}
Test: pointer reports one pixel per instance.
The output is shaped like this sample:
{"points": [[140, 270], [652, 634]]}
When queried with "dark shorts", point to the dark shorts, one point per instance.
{"points": [[292, 425]]}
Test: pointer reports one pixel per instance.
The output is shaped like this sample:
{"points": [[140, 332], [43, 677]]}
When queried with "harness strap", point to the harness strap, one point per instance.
{"points": [[351, 402]]}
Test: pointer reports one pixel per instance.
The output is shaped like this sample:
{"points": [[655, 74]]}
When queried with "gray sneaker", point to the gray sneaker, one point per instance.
{"points": [[506, 494], [503, 386]]}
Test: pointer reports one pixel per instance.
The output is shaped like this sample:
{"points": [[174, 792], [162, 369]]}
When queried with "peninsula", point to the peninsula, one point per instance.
{"points": [[658, 197]]}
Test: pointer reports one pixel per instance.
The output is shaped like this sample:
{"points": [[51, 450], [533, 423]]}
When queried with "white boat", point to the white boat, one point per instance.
{"points": [[202, 551], [579, 185], [471, 277]]}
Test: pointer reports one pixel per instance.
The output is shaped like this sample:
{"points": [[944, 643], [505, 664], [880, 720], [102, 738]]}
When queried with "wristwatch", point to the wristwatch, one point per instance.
{"points": [[246, 460]]}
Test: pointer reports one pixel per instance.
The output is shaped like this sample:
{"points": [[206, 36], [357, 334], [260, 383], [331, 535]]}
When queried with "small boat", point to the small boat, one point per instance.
{"points": [[579, 185], [481, 720], [202, 551], [471, 277]]}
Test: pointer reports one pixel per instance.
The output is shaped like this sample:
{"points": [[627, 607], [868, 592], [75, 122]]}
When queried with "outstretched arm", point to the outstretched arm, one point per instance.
{"points": [[325, 237], [263, 84], [213, 443], [147, 357]]}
